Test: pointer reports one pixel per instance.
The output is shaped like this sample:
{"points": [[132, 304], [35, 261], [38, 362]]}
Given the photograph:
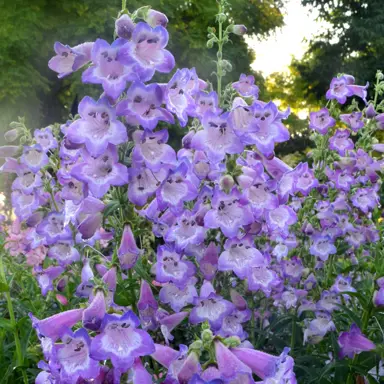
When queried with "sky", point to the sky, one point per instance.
{"points": [[274, 54]]}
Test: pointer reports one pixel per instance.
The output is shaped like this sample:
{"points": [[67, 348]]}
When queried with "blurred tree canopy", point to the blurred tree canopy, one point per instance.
{"points": [[28, 30], [353, 44]]}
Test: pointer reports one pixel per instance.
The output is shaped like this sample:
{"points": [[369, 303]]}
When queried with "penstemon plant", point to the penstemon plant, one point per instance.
{"points": [[218, 263]]}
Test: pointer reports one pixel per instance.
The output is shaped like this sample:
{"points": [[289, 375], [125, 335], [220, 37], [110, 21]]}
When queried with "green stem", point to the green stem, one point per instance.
{"points": [[293, 336], [132, 289], [19, 354], [123, 5]]}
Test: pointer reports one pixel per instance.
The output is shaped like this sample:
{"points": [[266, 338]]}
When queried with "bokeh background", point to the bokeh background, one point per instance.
{"points": [[293, 48]]}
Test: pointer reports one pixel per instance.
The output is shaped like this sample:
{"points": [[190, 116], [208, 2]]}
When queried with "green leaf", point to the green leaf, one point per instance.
{"points": [[4, 287], [6, 324]]}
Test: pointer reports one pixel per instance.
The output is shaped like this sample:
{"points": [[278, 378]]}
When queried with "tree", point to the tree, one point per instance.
{"points": [[353, 44], [29, 29]]}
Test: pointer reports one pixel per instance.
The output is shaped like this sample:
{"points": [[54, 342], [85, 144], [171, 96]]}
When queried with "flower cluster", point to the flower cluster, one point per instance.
{"points": [[239, 236]]}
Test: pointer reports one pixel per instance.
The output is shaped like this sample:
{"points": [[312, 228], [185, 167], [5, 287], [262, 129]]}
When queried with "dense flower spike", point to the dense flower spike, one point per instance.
{"points": [[219, 245]]}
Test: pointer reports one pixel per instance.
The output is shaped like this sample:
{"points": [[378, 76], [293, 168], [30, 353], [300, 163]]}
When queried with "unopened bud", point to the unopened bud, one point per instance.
{"points": [[210, 43], [226, 182], [378, 147], [207, 336], [237, 29], [155, 18], [11, 135], [226, 65], [124, 27], [370, 111], [232, 342], [62, 299], [221, 17], [196, 346]]}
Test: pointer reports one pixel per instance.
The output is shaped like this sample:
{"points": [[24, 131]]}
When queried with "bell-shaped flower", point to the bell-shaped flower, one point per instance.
{"points": [[354, 342], [176, 189], [217, 138], [239, 255], [102, 172], [54, 327], [64, 252], [261, 277], [366, 199], [97, 127], [228, 213], [206, 102], [343, 87], [146, 50], [322, 247], [281, 218], [128, 252], [147, 307], [246, 86], [45, 138], [170, 267], [54, 228], [121, 341], [185, 231], [353, 120], [341, 142], [142, 106], [34, 157], [176, 297], [68, 60], [73, 356], [107, 68], [321, 121], [151, 148], [93, 315], [210, 307], [270, 368], [209, 262]]}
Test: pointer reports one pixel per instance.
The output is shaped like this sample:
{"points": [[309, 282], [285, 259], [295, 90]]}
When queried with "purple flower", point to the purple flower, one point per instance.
{"points": [[73, 356], [239, 256], [45, 138], [124, 27], [343, 284], [242, 118], [320, 121], [354, 342], [270, 128], [34, 157], [121, 341], [365, 199], [176, 189], [329, 302], [217, 138], [293, 269], [155, 18], [128, 251], [170, 267], [322, 247], [101, 172], [147, 307], [305, 180], [340, 141], [261, 198], [228, 213], [353, 120], [209, 262], [246, 86], [97, 127], [151, 149], [177, 97], [176, 297], [64, 252], [210, 307], [143, 183], [206, 102], [270, 368], [280, 218], [27, 181], [146, 49], [261, 277], [46, 276], [68, 60], [142, 106], [231, 368], [53, 228], [107, 69], [185, 231], [93, 315], [55, 326], [343, 87]]}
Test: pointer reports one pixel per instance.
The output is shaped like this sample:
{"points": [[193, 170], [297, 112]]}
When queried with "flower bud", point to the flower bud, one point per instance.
{"points": [[370, 111], [221, 17], [226, 65], [232, 342], [9, 150], [207, 336], [237, 29], [124, 27], [155, 18], [196, 346], [11, 135], [226, 183], [378, 147], [62, 299], [210, 43]]}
